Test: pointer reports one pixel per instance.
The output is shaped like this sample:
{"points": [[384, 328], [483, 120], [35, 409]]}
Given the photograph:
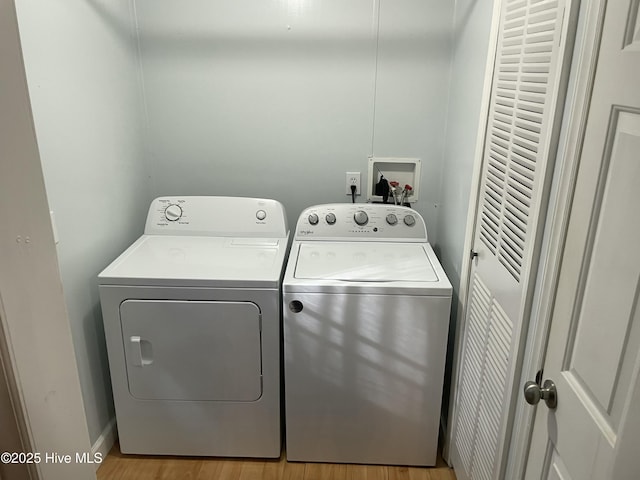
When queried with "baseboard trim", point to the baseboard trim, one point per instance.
{"points": [[105, 441]]}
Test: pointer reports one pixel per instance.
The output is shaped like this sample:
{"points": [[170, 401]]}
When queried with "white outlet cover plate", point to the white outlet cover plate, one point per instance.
{"points": [[357, 183]]}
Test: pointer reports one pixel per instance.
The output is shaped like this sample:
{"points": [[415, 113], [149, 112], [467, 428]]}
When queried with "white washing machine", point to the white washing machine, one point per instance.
{"points": [[192, 314], [366, 315]]}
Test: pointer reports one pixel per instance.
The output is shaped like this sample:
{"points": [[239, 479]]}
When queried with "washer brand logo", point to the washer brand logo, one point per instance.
{"points": [[305, 232]]}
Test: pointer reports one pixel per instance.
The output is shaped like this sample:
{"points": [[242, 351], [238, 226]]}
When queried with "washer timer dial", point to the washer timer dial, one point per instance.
{"points": [[361, 217], [173, 212]]}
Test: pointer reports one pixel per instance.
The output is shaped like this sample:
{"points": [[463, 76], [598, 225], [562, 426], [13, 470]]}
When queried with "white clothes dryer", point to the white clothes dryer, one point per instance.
{"points": [[366, 316], [192, 314]]}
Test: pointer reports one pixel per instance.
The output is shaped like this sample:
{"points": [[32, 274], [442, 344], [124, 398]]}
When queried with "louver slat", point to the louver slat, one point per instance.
{"points": [[472, 370], [483, 380], [524, 91], [519, 105]]}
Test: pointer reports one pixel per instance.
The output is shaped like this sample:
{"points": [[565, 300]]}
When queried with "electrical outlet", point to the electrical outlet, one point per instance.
{"points": [[353, 178]]}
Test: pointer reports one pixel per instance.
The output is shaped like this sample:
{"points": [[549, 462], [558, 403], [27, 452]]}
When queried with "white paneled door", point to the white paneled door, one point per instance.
{"points": [[594, 343], [521, 134]]}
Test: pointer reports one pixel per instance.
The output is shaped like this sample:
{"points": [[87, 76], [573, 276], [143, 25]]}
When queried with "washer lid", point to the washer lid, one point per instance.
{"points": [[160, 259], [364, 262]]}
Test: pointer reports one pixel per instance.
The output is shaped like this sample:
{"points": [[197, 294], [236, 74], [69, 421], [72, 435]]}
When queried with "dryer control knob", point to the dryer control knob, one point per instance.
{"points": [[313, 219], [392, 219], [361, 217], [330, 218], [173, 212], [409, 220]]}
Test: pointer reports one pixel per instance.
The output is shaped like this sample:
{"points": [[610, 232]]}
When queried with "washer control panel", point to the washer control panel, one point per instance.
{"points": [[368, 221], [216, 216]]}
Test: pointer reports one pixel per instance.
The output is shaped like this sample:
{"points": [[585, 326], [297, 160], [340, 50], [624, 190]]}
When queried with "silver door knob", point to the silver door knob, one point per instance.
{"points": [[533, 393]]}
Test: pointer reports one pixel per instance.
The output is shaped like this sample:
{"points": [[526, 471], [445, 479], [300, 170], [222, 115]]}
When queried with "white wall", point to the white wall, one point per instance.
{"points": [[274, 99], [471, 37], [38, 349], [279, 99], [471, 34], [80, 58], [412, 90]]}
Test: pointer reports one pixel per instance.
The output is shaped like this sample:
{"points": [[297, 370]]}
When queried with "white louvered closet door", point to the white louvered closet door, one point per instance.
{"points": [[519, 148]]}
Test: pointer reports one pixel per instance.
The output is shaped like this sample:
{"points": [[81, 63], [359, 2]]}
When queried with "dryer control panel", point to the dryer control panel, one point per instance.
{"points": [[364, 221], [217, 216]]}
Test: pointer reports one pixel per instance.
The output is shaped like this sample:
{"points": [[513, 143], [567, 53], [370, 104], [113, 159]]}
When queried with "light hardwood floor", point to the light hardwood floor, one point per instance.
{"points": [[133, 467]]}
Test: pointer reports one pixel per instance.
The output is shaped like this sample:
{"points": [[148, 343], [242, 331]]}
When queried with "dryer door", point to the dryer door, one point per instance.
{"points": [[192, 350]]}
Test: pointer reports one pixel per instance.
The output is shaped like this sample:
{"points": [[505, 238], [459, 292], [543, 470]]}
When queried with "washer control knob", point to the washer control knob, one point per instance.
{"points": [[261, 214], [313, 219], [173, 212], [409, 220], [392, 219], [361, 217], [330, 218]]}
